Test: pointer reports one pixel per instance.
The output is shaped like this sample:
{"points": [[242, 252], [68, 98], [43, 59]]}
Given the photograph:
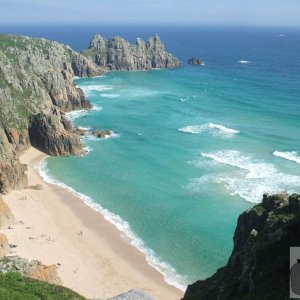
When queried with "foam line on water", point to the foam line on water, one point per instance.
{"points": [[97, 88], [168, 272], [243, 61], [111, 96], [289, 155], [215, 129], [244, 176]]}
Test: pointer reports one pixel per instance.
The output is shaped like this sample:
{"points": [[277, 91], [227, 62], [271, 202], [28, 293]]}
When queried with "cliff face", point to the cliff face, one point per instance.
{"points": [[118, 54], [258, 267], [36, 89]]}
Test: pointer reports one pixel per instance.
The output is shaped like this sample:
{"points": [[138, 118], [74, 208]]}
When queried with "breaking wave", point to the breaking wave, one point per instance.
{"points": [[245, 176], [216, 129], [292, 155]]}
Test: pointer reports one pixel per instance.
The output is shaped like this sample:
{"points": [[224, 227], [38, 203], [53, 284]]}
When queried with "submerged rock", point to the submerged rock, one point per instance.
{"points": [[102, 133], [258, 267]]}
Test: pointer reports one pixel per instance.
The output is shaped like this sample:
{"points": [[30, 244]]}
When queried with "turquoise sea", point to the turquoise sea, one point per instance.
{"points": [[194, 146]]}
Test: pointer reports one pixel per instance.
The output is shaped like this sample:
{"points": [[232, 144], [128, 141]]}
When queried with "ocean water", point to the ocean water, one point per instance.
{"points": [[193, 147]]}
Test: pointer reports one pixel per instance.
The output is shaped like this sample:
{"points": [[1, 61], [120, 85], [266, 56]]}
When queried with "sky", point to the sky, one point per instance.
{"points": [[202, 12]]}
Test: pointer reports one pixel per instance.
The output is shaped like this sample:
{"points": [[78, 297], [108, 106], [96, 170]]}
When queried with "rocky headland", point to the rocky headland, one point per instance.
{"points": [[117, 53], [258, 267]]}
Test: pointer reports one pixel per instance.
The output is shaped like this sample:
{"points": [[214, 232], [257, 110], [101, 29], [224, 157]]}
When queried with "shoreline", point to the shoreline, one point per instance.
{"points": [[60, 228]]}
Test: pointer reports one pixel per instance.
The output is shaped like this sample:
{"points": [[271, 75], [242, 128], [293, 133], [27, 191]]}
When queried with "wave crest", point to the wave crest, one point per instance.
{"points": [[216, 129], [289, 155], [244, 176]]}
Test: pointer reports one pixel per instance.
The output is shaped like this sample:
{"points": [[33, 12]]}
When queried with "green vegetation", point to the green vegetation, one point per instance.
{"points": [[14, 286]]}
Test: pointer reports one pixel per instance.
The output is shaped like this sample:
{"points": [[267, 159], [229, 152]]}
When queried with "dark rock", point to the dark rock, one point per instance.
{"points": [[258, 267], [48, 135], [294, 203], [195, 61], [102, 133]]}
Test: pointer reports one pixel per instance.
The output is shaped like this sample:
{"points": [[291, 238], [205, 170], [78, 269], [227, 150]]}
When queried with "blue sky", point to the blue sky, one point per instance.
{"points": [[212, 12]]}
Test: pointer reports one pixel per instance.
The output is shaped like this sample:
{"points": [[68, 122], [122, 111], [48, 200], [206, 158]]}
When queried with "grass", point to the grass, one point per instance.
{"points": [[14, 286]]}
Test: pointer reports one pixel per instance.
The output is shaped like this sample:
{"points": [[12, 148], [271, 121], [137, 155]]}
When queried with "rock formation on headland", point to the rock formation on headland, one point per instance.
{"points": [[258, 267], [116, 53], [195, 61]]}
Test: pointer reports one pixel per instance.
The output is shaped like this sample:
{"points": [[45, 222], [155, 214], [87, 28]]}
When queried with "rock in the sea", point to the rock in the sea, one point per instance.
{"points": [[133, 295], [33, 269], [102, 133], [6, 216], [195, 61], [4, 245], [118, 54], [258, 267]]}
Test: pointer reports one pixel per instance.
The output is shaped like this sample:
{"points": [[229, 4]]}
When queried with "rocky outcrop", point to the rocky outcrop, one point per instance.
{"points": [[6, 216], [33, 269], [195, 61], [48, 134], [258, 267], [4, 245], [116, 53], [133, 295]]}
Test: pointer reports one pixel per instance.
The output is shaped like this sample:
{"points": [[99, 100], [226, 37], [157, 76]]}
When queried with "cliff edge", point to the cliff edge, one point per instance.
{"points": [[258, 267]]}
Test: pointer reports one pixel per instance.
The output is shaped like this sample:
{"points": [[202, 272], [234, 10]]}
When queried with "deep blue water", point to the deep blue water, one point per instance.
{"points": [[195, 146]]}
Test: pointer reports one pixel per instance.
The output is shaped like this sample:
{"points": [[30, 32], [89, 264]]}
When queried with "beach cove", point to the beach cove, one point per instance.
{"points": [[90, 255]]}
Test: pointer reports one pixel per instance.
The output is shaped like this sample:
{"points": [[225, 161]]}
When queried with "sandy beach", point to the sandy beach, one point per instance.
{"points": [[56, 227]]}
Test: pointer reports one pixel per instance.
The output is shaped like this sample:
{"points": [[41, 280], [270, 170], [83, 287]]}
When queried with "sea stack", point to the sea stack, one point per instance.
{"points": [[195, 61]]}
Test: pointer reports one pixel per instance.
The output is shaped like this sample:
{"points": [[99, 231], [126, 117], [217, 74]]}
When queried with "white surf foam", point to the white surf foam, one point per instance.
{"points": [[169, 273], [216, 129], [98, 88], [97, 107], [242, 61], [222, 128], [72, 115], [248, 178], [289, 155], [111, 96]]}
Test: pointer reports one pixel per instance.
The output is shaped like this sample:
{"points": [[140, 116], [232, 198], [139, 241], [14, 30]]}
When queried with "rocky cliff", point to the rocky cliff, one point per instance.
{"points": [[116, 53], [258, 267], [36, 89]]}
